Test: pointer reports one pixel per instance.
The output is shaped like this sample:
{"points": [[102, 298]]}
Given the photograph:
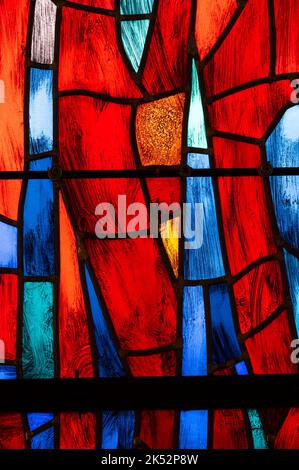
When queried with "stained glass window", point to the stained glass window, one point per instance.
{"points": [[136, 103]]}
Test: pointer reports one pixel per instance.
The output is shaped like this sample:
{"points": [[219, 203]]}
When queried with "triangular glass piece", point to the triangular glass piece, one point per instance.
{"points": [[196, 122], [131, 7], [134, 35]]}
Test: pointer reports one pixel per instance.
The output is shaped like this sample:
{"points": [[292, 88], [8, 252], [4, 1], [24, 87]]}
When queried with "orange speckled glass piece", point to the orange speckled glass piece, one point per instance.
{"points": [[159, 131]]}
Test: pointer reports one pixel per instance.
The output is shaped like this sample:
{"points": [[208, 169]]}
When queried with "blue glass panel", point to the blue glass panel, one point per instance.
{"points": [[292, 265], [134, 35], [35, 420], [118, 430], [285, 195], [196, 122], [41, 111], [8, 372], [133, 7], [258, 435], [108, 359], [241, 368], [194, 360], [193, 429], [38, 243], [8, 246], [283, 144], [198, 160], [205, 262], [282, 151], [37, 353], [43, 440], [225, 343], [42, 164]]}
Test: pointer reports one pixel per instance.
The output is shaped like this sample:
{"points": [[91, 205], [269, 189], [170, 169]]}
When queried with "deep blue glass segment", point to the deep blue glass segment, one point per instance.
{"points": [[39, 234]]}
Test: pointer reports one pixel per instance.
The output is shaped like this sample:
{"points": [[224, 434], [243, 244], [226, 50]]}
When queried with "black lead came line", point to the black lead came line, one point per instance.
{"points": [[152, 172], [172, 393]]}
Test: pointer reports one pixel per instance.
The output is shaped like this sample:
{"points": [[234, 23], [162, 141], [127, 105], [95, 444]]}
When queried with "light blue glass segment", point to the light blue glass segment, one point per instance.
{"points": [[194, 348], [193, 429], [134, 35], [206, 261], [38, 343], [258, 435], [8, 246], [136, 7], [285, 195], [283, 144], [41, 110], [282, 149], [196, 121], [198, 161], [257, 431]]}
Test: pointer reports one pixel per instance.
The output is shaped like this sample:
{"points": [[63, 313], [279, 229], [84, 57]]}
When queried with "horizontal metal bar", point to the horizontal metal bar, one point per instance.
{"points": [[182, 393], [152, 172]]}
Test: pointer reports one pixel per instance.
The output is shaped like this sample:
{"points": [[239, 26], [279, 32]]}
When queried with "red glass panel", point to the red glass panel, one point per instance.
{"points": [[229, 430], [93, 61], [85, 195], [9, 311], [233, 64], [233, 154], [13, 29], [164, 190], [156, 429], [212, 17], [288, 436], [74, 340], [163, 364], [12, 434], [77, 430], [250, 112], [107, 4], [258, 294], [287, 36], [165, 67], [269, 350], [94, 134], [243, 201], [137, 290]]}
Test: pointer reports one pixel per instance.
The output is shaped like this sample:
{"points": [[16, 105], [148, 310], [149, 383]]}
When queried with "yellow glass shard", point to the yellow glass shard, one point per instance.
{"points": [[170, 231]]}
